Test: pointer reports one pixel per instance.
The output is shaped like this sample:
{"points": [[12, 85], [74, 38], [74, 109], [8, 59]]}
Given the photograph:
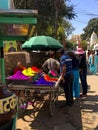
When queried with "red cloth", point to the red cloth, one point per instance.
{"points": [[18, 69]]}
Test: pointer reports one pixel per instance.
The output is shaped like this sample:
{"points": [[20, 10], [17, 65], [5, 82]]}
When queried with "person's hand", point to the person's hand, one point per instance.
{"points": [[62, 79]]}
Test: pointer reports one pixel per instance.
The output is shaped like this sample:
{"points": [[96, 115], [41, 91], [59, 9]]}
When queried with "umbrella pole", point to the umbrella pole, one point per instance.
{"points": [[2, 68]]}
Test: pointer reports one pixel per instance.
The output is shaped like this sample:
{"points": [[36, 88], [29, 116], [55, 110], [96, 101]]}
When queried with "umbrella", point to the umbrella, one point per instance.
{"points": [[42, 43]]}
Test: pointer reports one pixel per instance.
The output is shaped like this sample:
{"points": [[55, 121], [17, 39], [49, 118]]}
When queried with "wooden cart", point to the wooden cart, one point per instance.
{"points": [[30, 93]]}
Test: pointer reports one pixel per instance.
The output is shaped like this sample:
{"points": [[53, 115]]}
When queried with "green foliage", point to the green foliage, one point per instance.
{"points": [[50, 15], [70, 45], [92, 26], [84, 45], [64, 29]]}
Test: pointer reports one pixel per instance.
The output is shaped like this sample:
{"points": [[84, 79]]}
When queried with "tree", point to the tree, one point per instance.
{"points": [[84, 45], [65, 28], [70, 45], [92, 26], [50, 14]]}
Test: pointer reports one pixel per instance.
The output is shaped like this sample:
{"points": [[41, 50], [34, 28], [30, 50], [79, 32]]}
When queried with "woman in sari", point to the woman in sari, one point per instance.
{"points": [[92, 62]]}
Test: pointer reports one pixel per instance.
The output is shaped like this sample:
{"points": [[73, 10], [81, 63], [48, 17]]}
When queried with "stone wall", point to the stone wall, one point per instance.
{"points": [[38, 59], [11, 59]]}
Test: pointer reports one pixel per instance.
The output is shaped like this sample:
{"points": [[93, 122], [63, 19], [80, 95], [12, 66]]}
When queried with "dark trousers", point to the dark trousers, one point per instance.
{"points": [[83, 78], [68, 89]]}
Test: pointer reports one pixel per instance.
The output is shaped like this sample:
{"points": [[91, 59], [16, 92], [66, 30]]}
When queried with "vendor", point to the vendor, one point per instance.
{"points": [[51, 64]]}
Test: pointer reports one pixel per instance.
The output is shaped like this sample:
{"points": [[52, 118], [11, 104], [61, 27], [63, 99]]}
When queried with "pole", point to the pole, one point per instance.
{"points": [[2, 66]]}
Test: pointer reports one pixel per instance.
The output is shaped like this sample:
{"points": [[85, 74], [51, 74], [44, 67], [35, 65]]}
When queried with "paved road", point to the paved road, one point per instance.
{"points": [[83, 115]]}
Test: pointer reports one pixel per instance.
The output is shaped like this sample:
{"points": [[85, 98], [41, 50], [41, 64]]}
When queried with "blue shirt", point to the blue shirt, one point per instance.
{"points": [[66, 60]]}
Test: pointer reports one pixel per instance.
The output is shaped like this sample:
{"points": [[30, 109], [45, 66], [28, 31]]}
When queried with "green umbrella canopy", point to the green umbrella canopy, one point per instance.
{"points": [[42, 43]]}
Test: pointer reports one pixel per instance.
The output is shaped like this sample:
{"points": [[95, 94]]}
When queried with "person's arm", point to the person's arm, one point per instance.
{"points": [[45, 67], [63, 72], [58, 64], [45, 63]]}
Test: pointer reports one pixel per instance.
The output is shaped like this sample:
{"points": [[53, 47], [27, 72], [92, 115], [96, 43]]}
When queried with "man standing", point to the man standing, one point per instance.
{"points": [[66, 76], [52, 64]]}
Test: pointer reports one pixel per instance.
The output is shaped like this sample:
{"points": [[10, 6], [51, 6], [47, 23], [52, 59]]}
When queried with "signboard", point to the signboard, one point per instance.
{"points": [[6, 104], [9, 46]]}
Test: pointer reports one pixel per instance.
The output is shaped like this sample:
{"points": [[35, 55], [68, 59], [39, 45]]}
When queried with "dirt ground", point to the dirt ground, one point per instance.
{"points": [[83, 115]]}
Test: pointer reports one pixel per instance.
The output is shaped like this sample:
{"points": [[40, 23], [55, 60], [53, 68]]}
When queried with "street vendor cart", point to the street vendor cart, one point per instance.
{"points": [[28, 92]]}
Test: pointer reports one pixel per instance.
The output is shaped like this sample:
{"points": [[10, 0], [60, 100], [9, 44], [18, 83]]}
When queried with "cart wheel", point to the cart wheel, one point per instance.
{"points": [[22, 106], [52, 105]]}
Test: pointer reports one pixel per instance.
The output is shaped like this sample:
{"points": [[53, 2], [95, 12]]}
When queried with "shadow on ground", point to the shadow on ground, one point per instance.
{"points": [[89, 106], [64, 118]]}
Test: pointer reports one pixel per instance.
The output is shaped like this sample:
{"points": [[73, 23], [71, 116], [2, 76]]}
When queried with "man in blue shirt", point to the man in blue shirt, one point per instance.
{"points": [[66, 76]]}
